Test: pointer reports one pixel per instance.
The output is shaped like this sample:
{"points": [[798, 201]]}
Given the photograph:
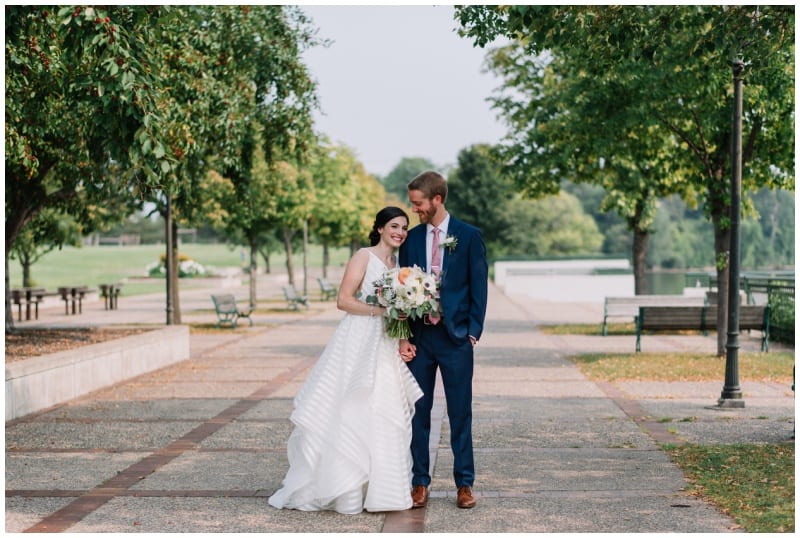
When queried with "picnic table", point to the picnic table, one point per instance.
{"points": [[73, 295], [30, 296], [110, 294]]}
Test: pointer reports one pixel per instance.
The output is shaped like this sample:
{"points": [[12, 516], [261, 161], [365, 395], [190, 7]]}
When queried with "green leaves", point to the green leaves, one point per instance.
{"points": [[160, 92]]}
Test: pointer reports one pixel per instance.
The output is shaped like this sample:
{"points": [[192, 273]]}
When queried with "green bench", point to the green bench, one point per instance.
{"points": [[699, 318], [326, 289], [294, 299], [628, 307], [228, 312]]}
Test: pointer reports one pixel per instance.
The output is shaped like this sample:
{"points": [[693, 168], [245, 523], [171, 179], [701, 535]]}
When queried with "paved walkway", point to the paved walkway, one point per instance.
{"points": [[200, 446]]}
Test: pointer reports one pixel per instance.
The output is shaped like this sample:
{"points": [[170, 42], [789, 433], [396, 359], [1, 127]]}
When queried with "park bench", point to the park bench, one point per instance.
{"points": [[327, 290], [294, 299], [628, 307], [228, 312], [699, 318], [110, 294]]}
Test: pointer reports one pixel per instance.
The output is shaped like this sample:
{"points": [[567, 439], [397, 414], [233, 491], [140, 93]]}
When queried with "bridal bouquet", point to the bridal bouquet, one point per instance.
{"points": [[406, 293]]}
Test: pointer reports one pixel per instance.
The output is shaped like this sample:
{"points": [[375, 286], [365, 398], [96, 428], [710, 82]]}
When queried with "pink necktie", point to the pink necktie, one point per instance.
{"points": [[436, 257], [436, 268]]}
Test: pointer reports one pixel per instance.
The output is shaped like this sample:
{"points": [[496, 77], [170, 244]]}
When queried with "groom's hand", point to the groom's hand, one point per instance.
{"points": [[407, 350]]}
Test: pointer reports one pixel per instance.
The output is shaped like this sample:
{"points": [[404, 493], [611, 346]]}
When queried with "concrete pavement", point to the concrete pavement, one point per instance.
{"points": [[200, 446]]}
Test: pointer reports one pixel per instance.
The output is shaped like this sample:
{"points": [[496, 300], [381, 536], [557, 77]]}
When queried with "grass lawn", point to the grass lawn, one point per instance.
{"points": [[773, 366], [754, 484], [589, 329], [101, 264]]}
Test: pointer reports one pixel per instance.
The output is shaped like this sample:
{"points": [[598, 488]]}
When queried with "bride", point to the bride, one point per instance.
{"points": [[349, 450]]}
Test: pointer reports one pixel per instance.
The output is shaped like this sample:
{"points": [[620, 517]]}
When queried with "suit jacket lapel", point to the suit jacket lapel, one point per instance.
{"points": [[419, 251], [452, 230]]}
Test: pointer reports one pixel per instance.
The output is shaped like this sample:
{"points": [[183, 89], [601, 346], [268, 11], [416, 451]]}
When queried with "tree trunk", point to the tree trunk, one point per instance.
{"points": [[640, 240], [305, 258], [287, 245], [722, 252], [326, 259], [25, 262], [9, 311], [168, 265], [265, 255], [176, 302], [253, 271], [19, 215]]}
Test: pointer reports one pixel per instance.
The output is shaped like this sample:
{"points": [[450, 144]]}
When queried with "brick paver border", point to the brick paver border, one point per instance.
{"points": [[119, 485]]}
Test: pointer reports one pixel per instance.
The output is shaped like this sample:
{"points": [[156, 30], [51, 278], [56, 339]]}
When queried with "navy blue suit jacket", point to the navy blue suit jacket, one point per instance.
{"points": [[464, 278]]}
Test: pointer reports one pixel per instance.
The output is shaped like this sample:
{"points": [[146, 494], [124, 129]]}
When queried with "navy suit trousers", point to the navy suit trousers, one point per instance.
{"points": [[435, 350]]}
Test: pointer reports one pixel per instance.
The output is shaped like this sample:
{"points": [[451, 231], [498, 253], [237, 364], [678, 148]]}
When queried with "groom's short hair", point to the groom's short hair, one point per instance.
{"points": [[430, 183]]}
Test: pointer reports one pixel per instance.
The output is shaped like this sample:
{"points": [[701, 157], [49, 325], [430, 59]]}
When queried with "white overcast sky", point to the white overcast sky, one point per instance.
{"points": [[397, 81]]}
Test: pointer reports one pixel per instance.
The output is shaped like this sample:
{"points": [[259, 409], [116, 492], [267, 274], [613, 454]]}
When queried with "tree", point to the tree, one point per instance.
{"points": [[369, 197], [616, 236], [479, 193], [337, 174], [80, 93], [672, 64], [41, 235], [562, 128], [396, 181], [553, 226], [159, 92], [237, 87], [775, 212]]}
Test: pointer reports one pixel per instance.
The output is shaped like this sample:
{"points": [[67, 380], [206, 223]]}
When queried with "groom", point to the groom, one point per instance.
{"points": [[458, 257]]}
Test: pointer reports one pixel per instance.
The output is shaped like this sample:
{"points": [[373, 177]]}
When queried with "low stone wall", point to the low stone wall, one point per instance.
{"points": [[41, 382]]}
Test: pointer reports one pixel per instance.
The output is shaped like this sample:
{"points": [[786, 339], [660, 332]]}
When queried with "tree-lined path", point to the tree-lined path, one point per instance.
{"points": [[199, 446]]}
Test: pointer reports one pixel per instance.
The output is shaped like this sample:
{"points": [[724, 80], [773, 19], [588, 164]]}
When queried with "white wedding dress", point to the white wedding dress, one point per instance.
{"points": [[350, 449]]}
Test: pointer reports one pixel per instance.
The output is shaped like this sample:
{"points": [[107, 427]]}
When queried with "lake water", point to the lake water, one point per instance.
{"points": [[661, 283], [592, 288]]}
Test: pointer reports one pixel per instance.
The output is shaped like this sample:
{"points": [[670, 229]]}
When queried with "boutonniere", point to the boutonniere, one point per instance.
{"points": [[450, 243]]}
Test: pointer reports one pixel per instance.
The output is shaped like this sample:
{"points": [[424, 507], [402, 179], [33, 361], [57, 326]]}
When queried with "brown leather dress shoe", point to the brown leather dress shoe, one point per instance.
{"points": [[419, 496], [465, 498]]}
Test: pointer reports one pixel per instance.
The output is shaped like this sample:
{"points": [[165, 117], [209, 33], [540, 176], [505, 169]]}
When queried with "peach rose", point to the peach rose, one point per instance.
{"points": [[403, 274]]}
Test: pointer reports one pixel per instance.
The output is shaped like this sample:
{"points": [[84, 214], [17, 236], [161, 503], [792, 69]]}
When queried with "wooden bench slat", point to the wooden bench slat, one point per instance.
{"points": [[700, 318], [629, 306]]}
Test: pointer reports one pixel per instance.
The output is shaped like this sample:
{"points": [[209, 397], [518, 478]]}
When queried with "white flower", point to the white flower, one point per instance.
{"points": [[407, 291], [450, 243]]}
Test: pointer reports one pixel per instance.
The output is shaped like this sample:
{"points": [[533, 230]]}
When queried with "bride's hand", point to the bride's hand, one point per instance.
{"points": [[407, 350]]}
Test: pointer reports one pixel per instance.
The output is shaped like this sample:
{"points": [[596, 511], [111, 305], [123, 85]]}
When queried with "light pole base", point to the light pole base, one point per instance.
{"points": [[731, 403]]}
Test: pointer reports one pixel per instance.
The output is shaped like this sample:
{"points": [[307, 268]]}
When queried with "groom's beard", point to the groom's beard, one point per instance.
{"points": [[426, 216]]}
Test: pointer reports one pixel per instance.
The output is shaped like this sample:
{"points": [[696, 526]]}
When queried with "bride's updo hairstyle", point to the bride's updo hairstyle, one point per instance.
{"points": [[384, 215]]}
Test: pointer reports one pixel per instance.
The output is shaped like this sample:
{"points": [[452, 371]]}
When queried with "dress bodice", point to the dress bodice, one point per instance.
{"points": [[375, 270]]}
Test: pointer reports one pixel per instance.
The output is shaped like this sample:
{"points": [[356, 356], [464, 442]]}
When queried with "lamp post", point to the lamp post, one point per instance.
{"points": [[731, 392]]}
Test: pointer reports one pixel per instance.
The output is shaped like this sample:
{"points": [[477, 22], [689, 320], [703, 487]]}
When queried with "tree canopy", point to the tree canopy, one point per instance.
{"points": [[646, 92], [158, 93]]}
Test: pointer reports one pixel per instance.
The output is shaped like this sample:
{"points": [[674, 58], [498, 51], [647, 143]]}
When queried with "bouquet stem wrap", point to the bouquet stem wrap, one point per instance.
{"points": [[398, 328]]}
